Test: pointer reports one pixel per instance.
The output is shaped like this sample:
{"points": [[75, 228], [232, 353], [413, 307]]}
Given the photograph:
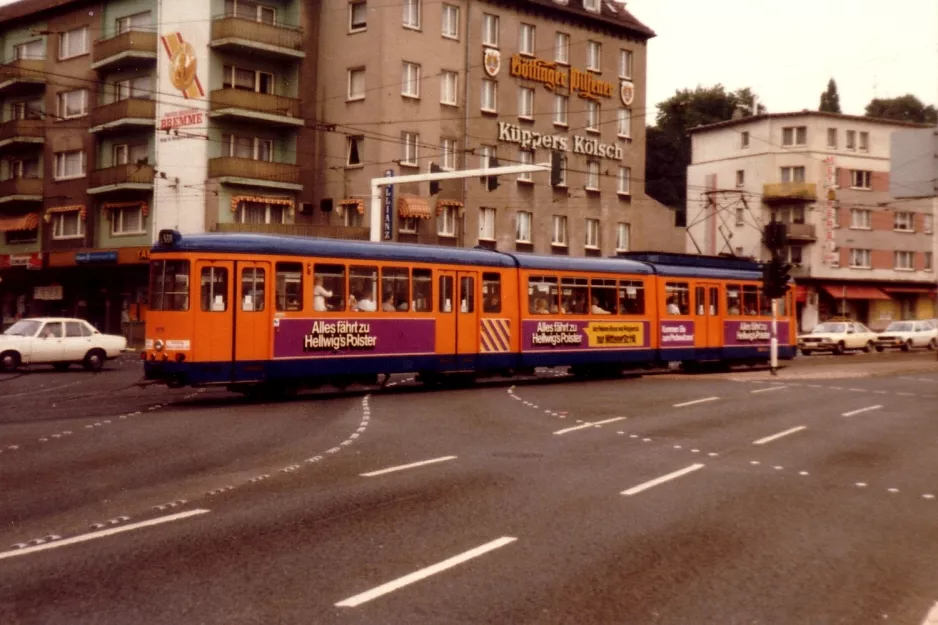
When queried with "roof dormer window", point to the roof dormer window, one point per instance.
{"points": [[591, 5]]}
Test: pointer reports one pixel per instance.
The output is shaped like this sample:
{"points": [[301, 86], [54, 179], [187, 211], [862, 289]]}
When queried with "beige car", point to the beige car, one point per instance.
{"points": [[837, 337]]}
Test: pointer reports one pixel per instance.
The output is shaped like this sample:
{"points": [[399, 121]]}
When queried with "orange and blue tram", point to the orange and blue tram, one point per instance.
{"points": [[261, 311]]}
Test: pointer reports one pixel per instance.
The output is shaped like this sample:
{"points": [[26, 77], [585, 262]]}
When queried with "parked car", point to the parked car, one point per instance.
{"points": [[837, 337], [905, 335], [59, 342]]}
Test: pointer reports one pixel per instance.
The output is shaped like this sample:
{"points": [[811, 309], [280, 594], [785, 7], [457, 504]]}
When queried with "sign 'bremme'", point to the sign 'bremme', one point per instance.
{"points": [[531, 140]]}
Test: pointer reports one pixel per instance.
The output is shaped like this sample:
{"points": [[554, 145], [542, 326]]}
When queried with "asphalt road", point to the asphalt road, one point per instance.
{"points": [[807, 497]]}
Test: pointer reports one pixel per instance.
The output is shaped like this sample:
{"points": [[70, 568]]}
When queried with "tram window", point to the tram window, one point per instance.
{"points": [[467, 294], [733, 302], [289, 286], [714, 301], [542, 295], [750, 299], [574, 295], [700, 297], [602, 296], [631, 297], [765, 305], [491, 292], [678, 298], [214, 289], [328, 288], [252, 289], [395, 287], [363, 287], [169, 283], [422, 283], [446, 294]]}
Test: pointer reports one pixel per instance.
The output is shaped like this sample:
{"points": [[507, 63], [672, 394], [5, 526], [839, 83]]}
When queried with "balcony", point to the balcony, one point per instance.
{"points": [[800, 271], [22, 76], [238, 34], [121, 178], [802, 232], [248, 172], [135, 47], [124, 114], [22, 189], [301, 230], [789, 192], [240, 105], [22, 132]]}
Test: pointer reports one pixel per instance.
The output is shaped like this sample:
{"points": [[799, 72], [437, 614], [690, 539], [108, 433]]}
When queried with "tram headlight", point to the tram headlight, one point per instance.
{"points": [[158, 345]]}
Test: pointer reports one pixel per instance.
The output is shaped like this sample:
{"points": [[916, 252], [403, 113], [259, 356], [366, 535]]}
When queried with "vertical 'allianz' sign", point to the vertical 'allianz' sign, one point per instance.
{"points": [[182, 116]]}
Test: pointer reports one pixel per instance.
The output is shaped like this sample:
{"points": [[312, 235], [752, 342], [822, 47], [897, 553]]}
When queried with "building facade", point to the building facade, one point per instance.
{"points": [[856, 251], [124, 117]]}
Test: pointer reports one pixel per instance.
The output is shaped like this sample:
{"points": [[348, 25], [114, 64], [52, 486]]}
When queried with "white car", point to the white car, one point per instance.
{"points": [[57, 341], [837, 337], [908, 334]]}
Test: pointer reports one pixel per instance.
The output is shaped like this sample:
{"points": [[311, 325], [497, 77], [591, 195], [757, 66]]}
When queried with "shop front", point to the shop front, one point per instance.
{"points": [[108, 288], [874, 305]]}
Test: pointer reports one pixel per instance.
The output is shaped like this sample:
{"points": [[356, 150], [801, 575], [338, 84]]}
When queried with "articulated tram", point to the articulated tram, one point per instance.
{"points": [[278, 312]]}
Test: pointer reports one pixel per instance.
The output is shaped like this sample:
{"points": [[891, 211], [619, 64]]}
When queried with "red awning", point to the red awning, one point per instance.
{"points": [[849, 291], [801, 293], [923, 290], [29, 221]]}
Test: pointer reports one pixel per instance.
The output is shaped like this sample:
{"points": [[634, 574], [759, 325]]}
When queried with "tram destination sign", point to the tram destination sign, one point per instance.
{"points": [[531, 140]]}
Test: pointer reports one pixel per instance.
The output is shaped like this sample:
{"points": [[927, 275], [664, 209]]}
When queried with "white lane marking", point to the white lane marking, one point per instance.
{"points": [[696, 401], [589, 425], [768, 439], [660, 480], [416, 576], [932, 618], [408, 466], [867, 409], [766, 390], [101, 534]]}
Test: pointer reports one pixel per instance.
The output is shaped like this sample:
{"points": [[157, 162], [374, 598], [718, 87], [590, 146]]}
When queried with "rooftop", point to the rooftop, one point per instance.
{"points": [[806, 113]]}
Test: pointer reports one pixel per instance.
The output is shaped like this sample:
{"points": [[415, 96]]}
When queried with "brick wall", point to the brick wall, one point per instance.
{"points": [[882, 220], [882, 259], [880, 181]]}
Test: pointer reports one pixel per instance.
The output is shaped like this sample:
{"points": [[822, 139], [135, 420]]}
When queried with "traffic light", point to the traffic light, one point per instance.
{"points": [[435, 184], [775, 278], [491, 182], [775, 236], [556, 168]]}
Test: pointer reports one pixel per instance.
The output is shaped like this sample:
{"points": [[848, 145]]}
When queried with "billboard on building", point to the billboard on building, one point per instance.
{"points": [[913, 167], [182, 140]]}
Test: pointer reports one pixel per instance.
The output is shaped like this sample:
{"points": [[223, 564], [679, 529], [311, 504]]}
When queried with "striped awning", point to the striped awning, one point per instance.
{"points": [[351, 202], [413, 207], [144, 207], [71, 208], [441, 204], [29, 221], [236, 201]]}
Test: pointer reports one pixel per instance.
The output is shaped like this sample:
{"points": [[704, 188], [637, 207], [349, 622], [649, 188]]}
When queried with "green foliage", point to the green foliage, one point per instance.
{"points": [[906, 108], [668, 144], [830, 99]]}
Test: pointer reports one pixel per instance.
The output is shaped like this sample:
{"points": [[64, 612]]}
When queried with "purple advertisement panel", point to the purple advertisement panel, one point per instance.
{"points": [[677, 334], [579, 334], [310, 338], [746, 333]]}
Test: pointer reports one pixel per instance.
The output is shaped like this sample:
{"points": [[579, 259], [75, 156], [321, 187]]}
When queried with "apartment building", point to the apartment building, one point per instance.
{"points": [[856, 251], [124, 117]]}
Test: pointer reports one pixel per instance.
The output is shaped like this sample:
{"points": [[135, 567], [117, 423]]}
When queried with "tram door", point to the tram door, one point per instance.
{"points": [[213, 312], [708, 320], [252, 327], [457, 334]]}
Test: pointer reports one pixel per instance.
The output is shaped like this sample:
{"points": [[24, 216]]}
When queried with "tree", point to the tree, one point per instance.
{"points": [[906, 108], [830, 99], [668, 144]]}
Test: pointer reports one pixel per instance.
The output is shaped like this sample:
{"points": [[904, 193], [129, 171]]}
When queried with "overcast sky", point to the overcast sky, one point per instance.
{"points": [[787, 51]]}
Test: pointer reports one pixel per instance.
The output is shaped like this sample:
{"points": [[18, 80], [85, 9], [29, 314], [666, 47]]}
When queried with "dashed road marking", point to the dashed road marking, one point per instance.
{"points": [[661, 480]]}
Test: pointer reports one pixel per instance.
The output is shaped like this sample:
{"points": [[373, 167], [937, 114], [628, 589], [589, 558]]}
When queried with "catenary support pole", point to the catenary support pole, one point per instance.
{"points": [[773, 347]]}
